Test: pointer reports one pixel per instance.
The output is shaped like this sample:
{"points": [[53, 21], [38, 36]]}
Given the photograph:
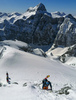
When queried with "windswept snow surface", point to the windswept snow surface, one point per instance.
{"points": [[24, 67]]}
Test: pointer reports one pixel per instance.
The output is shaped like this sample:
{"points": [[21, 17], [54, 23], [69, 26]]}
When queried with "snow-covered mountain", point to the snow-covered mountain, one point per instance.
{"points": [[58, 14], [10, 17], [67, 32], [37, 26], [40, 28], [27, 70]]}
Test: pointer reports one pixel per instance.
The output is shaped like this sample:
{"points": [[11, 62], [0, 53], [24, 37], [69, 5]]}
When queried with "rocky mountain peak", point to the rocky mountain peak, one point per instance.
{"points": [[39, 7], [70, 16]]}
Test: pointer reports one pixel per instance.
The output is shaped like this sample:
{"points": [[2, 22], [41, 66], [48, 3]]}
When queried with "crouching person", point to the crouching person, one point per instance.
{"points": [[46, 83]]}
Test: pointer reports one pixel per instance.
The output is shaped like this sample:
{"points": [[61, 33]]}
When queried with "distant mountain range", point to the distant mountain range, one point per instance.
{"points": [[37, 26]]}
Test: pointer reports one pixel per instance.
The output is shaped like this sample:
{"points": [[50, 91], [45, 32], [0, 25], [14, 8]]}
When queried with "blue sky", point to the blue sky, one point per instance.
{"points": [[67, 6]]}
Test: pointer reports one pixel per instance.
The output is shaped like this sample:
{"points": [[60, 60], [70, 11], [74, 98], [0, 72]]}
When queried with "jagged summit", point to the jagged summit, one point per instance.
{"points": [[70, 16], [39, 7]]}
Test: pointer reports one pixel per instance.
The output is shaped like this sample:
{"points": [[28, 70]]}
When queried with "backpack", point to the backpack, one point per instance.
{"points": [[44, 81]]}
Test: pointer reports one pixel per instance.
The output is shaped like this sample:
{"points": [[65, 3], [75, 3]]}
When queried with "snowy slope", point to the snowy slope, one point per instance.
{"points": [[58, 51], [67, 52], [71, 61], [24, 67], [21, 46]]}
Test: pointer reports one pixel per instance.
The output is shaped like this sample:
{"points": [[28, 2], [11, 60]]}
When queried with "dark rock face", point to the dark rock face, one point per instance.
{"points": [[67, 32]]}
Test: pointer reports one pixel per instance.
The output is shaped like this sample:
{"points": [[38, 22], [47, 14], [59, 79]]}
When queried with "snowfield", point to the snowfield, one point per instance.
{"points": [[27, 70]]}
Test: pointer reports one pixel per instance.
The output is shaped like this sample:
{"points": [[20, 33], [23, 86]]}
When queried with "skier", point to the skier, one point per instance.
{"points": [[46, 83], [7, 78]]}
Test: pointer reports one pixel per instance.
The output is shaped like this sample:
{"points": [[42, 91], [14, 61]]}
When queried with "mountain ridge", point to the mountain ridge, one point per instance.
{"points": [[39, 27]]}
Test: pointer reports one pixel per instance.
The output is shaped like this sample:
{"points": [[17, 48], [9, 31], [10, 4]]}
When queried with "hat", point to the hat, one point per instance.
{"points": [[48, 76]]}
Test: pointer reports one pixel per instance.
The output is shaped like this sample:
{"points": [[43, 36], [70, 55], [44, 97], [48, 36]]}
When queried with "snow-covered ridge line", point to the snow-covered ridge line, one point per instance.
{"points": [[21, 46]]}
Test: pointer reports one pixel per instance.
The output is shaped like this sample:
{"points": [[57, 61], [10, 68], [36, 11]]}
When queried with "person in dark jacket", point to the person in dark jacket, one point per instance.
{"points": [[7, 78], [46, 83]]}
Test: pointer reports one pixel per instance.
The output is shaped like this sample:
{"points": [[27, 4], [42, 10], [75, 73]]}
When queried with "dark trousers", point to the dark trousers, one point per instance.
{"points": [[50, 85]]}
